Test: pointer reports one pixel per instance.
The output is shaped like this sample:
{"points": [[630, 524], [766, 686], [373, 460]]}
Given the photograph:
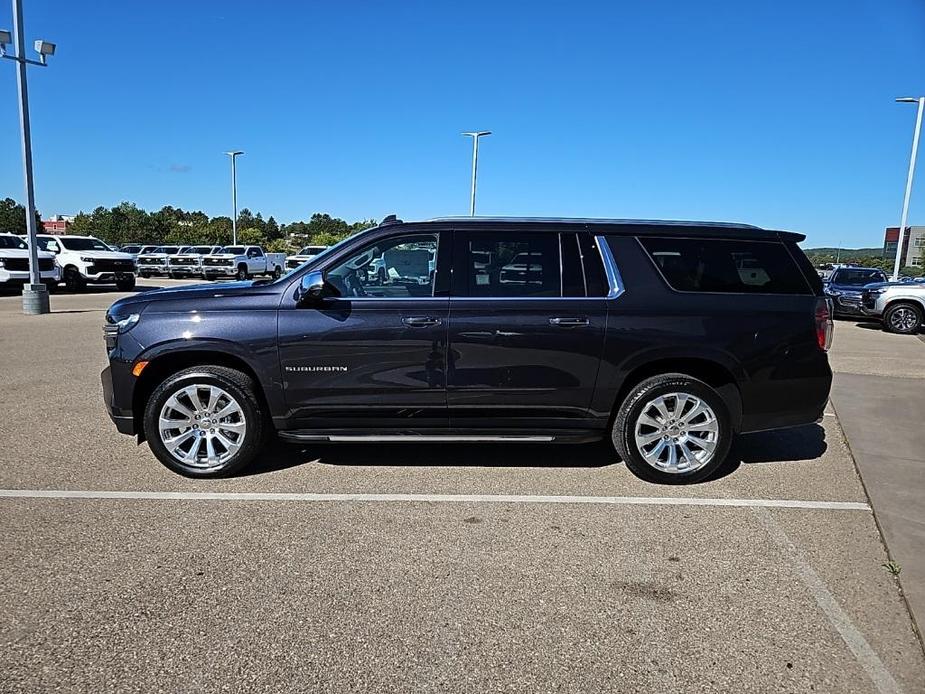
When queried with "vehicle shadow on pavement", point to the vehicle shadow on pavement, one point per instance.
{"points": [[783, 446]]}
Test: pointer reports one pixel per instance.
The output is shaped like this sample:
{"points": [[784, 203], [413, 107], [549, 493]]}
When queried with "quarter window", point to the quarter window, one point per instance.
{"points": [[726, 266]]}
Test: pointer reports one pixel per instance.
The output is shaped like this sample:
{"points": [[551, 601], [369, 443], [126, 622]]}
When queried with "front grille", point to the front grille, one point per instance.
{"points": [[849, 300], [22, 264], [294, 263], [104, 265], [183, 261], [150, 261], [217, 261]]}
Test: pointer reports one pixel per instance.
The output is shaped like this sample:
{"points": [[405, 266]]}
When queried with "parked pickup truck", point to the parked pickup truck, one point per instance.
{"points": [[155, 262], [14, 263], [188, 263], [644, 334], [303, 256], [87, 260], [243, 262], [899, 305]]}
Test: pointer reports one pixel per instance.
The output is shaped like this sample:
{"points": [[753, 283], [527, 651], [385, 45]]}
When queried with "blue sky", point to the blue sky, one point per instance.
{"points": [[778, 113]]}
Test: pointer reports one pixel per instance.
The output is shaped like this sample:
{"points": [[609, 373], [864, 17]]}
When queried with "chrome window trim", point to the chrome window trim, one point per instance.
{"points": [[614, 280]]}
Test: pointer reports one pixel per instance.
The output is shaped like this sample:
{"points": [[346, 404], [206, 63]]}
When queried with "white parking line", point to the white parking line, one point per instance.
{"points": [[854, 639], [434, 498]]}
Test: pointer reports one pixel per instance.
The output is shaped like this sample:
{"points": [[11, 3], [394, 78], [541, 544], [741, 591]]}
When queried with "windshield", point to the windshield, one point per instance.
{"points": [[84, 244], [130, 249], [312, 250], [11, 242], [167, 249], [200, 250], [234, 250], [858, 277]]}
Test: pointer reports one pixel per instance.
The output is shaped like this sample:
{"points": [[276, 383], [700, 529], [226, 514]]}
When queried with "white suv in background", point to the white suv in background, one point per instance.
{"points": [[14, 263], [87, 260]]}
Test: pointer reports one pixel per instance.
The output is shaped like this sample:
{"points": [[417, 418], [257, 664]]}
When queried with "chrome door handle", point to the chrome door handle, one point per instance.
{"points": [[420, 321], [572, 322]]}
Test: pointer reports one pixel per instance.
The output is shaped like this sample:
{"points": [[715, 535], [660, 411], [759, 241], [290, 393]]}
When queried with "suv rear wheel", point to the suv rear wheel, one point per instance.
{"points": [[672, 429], [905, 318], [205, 421]]}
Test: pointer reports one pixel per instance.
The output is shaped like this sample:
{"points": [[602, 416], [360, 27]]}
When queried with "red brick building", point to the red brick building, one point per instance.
{"points": [[57, 223]]}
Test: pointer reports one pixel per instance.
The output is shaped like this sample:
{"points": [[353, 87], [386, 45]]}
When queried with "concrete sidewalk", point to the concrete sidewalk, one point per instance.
{"points": [[879, 397]]}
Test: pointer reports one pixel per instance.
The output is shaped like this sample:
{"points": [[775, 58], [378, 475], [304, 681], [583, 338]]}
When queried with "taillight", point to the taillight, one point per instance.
{"points": [[824, 325]]}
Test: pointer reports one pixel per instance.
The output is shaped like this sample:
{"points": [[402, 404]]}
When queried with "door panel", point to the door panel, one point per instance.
{"points": [[373, 352], [352, 361], [520, 361], [509, 361]]}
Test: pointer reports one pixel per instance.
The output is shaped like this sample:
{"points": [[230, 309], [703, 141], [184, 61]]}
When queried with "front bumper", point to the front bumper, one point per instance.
{"points": [[18, 277], [151, 269], [124, 420], [219, 271], [188, 270]]}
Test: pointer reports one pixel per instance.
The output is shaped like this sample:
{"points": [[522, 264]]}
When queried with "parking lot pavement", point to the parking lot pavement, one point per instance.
{"points": [[640, 588], [879, 392]]}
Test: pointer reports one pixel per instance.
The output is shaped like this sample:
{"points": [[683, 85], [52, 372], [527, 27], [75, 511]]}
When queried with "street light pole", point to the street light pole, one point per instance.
{"points": [[475, 165], [915, 148], [234, 197], [34, 294]]}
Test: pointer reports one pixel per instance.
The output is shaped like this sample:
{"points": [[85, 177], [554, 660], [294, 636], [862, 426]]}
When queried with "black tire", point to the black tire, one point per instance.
{"points": [[73, 281], [126, 284], [277, 272], [639, 399], [243, 274], [903, 317], [238, 386]]}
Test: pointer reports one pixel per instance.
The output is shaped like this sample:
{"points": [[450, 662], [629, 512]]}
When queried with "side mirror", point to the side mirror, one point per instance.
{"points": [[312, 287]]}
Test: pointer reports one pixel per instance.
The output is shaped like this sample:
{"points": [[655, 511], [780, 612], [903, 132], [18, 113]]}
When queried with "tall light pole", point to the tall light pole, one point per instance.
{"points": [[34, 294], [475, 164], [915, 148], [234, 197]]}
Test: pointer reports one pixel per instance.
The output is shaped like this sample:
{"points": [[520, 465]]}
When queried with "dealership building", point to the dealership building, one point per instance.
{"points": [[913, 254]]}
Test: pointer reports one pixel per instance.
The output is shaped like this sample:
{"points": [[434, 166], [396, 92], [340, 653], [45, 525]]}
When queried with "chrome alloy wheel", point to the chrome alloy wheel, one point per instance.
{"points": [[903, 319], [202, 426], [676, 433]]}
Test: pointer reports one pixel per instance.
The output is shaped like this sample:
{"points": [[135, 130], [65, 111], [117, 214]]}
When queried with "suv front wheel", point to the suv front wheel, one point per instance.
{"points": [[205, 421], [904, 318], [672, 429]]}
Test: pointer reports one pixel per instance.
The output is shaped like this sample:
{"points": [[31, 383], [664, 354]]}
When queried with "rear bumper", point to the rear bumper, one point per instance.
{"points": [[796, 393]]}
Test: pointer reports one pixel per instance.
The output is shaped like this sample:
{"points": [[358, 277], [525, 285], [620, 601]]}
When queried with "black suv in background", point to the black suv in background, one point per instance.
{"points": [[668, 338], [845, 286]]}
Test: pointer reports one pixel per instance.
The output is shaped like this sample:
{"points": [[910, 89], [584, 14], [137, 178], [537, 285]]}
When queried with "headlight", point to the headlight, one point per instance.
{"points": [[2, 262], [120, 326], [86, 260], [832, 292], [874, 292]]}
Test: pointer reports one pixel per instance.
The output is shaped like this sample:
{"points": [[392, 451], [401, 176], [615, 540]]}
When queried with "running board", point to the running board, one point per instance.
{"points": [[411, 438]]}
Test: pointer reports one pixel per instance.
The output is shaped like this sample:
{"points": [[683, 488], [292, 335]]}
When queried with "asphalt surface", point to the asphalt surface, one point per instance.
{"points": [[879, 393], [422, 592]]}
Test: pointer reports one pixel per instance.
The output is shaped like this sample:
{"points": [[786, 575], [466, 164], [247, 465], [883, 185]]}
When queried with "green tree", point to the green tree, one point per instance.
{"points": [[252, 236], [13, 217]]}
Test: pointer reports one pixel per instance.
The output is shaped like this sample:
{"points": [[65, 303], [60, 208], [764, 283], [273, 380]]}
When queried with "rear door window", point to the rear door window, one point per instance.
{"points": [[726, 266], [511, 265]]}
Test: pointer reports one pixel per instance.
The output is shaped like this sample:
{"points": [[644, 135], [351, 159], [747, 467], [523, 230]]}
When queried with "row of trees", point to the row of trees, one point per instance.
{"points": [[128, 223], [877, 261]]}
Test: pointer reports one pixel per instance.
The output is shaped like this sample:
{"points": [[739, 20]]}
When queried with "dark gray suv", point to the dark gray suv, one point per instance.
{"points": [[667, 338]]}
